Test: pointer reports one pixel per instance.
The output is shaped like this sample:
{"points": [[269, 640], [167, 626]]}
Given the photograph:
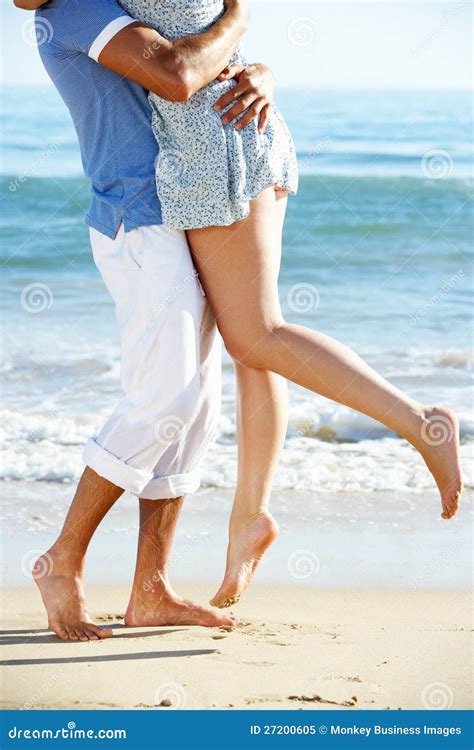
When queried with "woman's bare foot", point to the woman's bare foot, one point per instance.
{"points": [[63, 596], [150, 608], [248, 542], [439, 446]]}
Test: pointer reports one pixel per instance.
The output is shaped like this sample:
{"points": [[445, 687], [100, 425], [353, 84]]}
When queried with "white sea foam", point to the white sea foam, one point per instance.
{"points": [[340, 451]]}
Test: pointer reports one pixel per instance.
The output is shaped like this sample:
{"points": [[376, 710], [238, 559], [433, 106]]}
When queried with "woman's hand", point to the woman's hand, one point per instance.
{"points": [[252, 95]]}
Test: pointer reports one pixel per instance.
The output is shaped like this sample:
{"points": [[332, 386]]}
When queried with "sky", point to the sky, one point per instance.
{"points": [[335, 44]]}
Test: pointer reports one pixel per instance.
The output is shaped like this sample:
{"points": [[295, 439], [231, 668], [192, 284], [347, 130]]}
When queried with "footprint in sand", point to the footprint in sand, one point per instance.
{"points": [[319, 699]]}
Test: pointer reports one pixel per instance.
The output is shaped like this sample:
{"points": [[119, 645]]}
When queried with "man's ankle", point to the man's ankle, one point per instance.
{"points": [[64, 560], [155, 584]]}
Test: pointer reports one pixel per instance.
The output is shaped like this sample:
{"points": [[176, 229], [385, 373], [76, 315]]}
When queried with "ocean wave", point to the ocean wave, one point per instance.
{"points": [[334, 450]]}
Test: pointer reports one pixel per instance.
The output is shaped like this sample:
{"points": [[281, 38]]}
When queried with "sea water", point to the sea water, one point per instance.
{"points": [[377, 253]]}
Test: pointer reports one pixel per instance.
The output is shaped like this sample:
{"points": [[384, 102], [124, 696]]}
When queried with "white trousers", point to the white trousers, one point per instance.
{"points": [[153, 443]]}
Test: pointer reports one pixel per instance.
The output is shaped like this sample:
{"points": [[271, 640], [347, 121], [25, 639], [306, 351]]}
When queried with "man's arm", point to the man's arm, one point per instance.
{"points": [[160, 62], [29, 4], [175, 70]]}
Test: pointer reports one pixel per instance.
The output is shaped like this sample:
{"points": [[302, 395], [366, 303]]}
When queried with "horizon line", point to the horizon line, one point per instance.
{"points": [[293, 87]]}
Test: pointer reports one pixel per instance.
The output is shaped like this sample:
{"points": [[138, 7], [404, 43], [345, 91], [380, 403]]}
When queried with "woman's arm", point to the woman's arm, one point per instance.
{"points": [[175, 70]]}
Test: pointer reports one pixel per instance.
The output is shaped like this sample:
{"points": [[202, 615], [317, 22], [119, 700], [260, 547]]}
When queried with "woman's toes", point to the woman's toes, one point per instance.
{"points": [[216, 601], [82, 635], [71, 634]]}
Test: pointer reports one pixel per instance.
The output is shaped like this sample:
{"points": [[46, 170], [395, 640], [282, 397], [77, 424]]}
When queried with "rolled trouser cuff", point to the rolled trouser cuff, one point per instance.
{"points": [[176, 485], [110, 467], [137, 481]]}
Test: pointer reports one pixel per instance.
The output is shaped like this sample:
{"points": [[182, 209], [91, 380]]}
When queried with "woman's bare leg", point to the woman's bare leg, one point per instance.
{"points": [[237, 268], [262, 418]]}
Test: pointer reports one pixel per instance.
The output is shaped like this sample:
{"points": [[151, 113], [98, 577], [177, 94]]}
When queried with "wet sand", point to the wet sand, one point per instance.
{"points": [[297, 648]]}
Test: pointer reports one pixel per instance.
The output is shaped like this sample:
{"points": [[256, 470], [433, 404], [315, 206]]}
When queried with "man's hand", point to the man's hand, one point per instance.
{"points": [[252, 95]]}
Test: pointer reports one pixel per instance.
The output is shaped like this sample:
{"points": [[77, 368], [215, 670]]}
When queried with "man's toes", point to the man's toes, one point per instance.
{"points": [[82, 635], [228, 622], [60, 631], [102, 632], [91, 635], [71, 634]]}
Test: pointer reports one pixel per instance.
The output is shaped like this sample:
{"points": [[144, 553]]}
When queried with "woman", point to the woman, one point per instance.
{"points": [[228, 190]]}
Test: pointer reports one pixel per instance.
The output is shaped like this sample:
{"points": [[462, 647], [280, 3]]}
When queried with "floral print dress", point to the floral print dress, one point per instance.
{"points": [[207, 172]]}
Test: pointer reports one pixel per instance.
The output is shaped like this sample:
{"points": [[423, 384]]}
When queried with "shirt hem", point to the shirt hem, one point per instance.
{"points": [[111, 232]]}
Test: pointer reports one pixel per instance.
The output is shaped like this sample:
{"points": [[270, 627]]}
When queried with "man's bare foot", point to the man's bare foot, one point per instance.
{"points": [[63, 596], [439, 446], [248, 543], [155, 608]]}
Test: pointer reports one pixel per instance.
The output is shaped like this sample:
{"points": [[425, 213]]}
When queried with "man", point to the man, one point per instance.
{"points": [[102, 62]]}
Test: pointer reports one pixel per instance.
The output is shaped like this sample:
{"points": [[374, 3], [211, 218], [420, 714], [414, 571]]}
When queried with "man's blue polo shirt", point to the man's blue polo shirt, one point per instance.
{"points": [[111, 114]]}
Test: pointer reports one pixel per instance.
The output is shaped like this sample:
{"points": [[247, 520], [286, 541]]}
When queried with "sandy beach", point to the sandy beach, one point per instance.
{"points": [[297, 648]]}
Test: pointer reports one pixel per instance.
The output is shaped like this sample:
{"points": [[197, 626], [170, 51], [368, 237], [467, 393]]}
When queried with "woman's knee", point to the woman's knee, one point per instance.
{"points": [[253, 348]]}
